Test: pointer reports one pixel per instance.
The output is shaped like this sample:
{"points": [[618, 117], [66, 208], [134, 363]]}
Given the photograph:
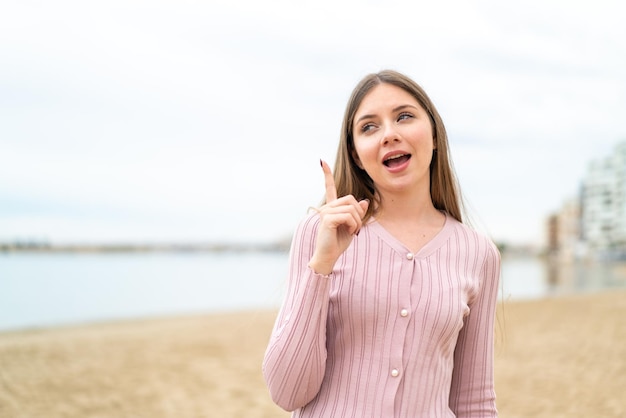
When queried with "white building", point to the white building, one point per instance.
{"points": [[619, 225], [603, 203]]}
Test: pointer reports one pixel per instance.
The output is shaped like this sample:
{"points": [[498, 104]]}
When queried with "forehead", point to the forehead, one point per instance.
{"points": [[385, 97]]}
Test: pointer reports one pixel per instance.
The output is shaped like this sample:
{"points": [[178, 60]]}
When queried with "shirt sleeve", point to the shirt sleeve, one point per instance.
{"points": [[472, 393], [295, 359]]}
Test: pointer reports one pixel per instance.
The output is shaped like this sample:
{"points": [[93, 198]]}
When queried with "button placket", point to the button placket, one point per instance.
{"points": [[402, 306], [405, 312]]}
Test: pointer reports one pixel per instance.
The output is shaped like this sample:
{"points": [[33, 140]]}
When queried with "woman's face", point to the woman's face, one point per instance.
{"points": [[393, 140]]}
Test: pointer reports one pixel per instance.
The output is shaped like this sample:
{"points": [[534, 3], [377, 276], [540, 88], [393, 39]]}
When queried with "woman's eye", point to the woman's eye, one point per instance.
{"points": [[367, 127], [404, 116]]}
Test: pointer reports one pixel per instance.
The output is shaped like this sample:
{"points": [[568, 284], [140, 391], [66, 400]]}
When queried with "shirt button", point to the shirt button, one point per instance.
{"points": [[395, 372], [404, 312], [409, 256]]}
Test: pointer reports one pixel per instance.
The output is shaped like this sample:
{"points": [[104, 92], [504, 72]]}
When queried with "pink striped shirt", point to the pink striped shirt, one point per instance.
{"points": [[389, 333]]}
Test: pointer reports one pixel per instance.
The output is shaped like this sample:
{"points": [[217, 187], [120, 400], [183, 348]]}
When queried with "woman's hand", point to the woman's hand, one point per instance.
{"points": [[340, 220]]}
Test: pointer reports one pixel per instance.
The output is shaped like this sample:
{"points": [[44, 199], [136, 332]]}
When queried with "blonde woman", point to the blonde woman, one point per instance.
{"points": [[390, 304]]}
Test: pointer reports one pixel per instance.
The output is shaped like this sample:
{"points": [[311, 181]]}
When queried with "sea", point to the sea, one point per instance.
{"points": [[42, 290]]}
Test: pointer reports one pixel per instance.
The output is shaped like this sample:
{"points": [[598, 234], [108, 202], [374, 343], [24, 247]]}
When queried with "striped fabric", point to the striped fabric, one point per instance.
{"points": [[389, 333]]}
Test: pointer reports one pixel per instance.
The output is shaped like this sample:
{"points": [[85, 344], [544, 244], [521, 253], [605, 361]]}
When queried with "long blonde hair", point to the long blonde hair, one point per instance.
{"points": [[352, 180]]}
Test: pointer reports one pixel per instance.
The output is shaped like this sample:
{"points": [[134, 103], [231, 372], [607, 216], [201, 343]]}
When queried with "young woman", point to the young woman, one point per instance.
{"points": [[390, 305]]}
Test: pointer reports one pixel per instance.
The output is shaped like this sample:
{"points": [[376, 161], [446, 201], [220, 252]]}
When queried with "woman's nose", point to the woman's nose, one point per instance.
{"points": [[390, 134]]}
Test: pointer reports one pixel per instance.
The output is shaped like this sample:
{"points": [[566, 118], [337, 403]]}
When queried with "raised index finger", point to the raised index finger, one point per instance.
{"points": [[331, 189]]}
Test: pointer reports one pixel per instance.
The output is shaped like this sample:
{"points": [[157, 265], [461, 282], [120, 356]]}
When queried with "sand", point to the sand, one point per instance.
{"points": [[560, 357]]}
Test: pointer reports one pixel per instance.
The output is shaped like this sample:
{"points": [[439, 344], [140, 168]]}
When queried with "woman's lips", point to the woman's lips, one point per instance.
{"points": [[396, 160]]}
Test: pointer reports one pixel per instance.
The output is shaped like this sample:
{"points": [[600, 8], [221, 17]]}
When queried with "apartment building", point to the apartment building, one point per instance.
{"points": [[594, 223]]}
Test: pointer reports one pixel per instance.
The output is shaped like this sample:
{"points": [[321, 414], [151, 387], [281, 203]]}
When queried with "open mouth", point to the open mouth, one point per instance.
{"points": [[397, 160]]}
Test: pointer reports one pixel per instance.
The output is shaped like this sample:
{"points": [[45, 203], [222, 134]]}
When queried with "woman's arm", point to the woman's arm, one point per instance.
{"points": [[295, 359], [472, 393]]}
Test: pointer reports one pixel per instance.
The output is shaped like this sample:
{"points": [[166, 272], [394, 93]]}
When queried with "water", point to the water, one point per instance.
{"points": [[532, 278], [55, 289], [40, 290]]}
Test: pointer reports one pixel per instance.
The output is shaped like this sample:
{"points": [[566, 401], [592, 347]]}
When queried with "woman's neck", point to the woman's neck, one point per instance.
{"points": [[412, 221], [415, 208]]}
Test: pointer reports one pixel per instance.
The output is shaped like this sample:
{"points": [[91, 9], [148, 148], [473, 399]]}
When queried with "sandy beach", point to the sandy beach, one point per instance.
{"points": [[557, 357]]}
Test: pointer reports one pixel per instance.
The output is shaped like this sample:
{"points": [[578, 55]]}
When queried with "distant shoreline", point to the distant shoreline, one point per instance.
{"points": [[281, 246], [141, 248]]}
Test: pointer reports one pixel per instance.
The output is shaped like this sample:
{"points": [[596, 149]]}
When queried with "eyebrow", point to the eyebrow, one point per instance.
{"points": [[395, 109]]}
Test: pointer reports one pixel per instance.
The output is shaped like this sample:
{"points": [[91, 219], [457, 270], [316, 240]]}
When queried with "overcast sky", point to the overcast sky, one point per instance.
{"points": [[205, 120]]}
